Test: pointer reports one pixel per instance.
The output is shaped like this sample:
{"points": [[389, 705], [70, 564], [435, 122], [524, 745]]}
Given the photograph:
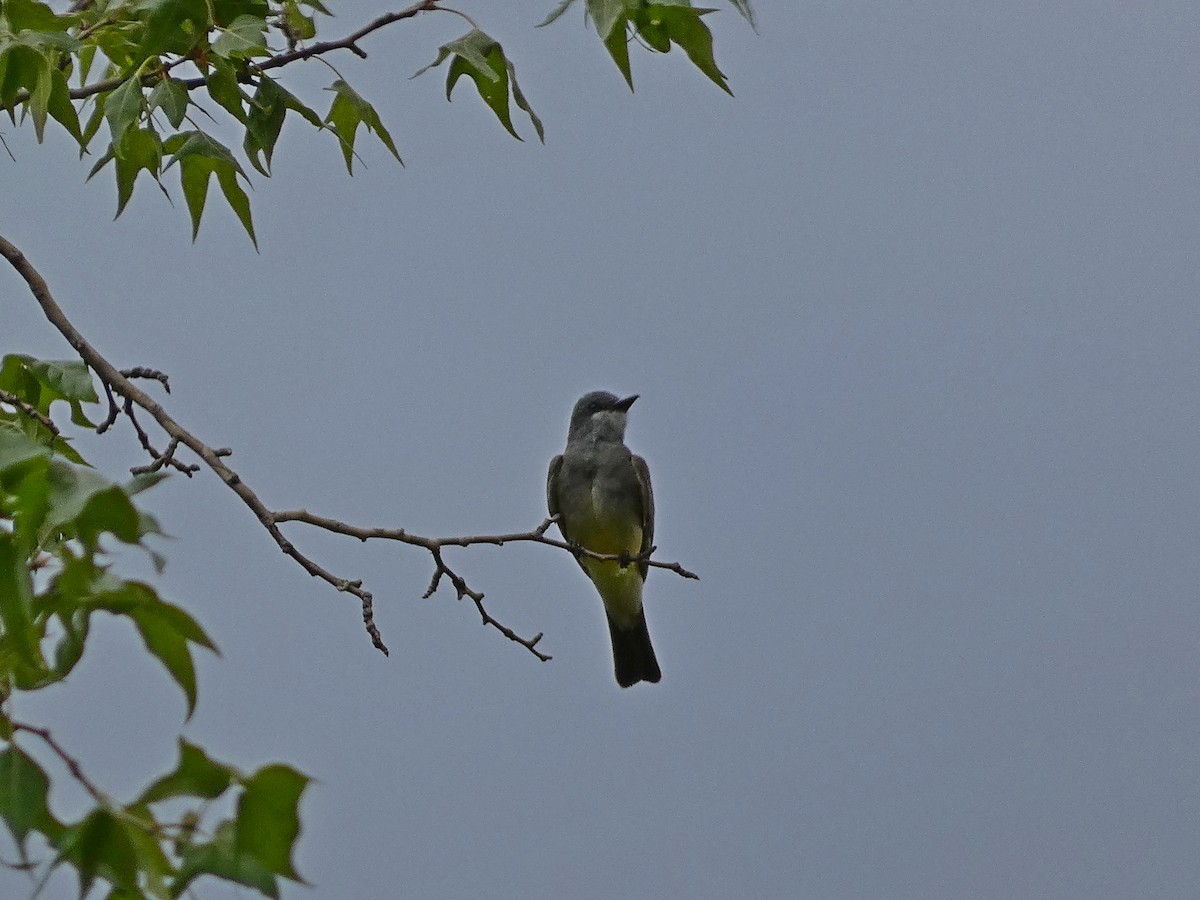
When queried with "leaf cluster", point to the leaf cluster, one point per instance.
{"points": [[656, 26], [59, 520], [149, 848], [167, 77]]}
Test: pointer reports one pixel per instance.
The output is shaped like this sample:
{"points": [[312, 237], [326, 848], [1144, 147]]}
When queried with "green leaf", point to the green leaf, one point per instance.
{"points": [[93, 122], [265, 118], [299, 26], [50, 40], [522, 103], [491, 87], [475, 48], [617, 44], [20, 649], [268, 819], [23, 791], [120, 47], [69, 379], [173, 26], [264, 121], [166, 629], [141, 148], [155, 868], [682, 25], [295, 105], [223, 87], [346, 113], [62, 109], [605, 14], [89, 504], [654, 34], [556, 13], [171, 97], [20, 68], [243, 38], [35, 16], [123, 107], [194, 179], [86, 58], [196, 775], [225, 11], [17, 448], [76, 625], [221, 858], [747, 11], [24, 490], [199, 156], [237, 200], [39, 97], [101, 845], [481, 58], [143, 482]]}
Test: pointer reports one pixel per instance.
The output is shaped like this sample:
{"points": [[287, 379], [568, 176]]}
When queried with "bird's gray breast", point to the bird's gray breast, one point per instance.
{"points": [[600, 498]]}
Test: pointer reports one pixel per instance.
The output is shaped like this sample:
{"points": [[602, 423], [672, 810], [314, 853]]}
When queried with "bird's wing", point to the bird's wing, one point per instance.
{"points": [[552, 504], [551, 483], [643, 476]]}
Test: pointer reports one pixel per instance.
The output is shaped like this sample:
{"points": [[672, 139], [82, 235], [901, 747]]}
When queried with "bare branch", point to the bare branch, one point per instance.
{"points": [[463, 590], [118, 382], [113, 410], [147, 372], [166, 457], [536, 536]]}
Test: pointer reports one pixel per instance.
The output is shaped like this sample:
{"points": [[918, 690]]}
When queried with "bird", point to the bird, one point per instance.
{"points": [[600, 496]]}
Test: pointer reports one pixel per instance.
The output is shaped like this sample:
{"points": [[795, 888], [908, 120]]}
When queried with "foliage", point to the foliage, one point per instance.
{"points": [[168, 76], [166, 80], [56, 517]]}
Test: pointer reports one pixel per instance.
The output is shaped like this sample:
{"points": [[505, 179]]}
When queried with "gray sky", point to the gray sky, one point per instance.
{"points": [[914, 322]]}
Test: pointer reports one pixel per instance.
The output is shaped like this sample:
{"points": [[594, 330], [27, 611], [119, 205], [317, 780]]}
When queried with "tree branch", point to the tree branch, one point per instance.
{"points": [[349, 42], [32, 412], [121, 383], [537, 536], [211, 457], [69, 761]]}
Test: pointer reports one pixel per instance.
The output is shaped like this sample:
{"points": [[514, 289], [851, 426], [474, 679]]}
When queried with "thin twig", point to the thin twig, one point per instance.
{"points": [[537, 536], [147, 372], [113, 410], [442, 570], [158, 460], [31, 411], [69, 761]]}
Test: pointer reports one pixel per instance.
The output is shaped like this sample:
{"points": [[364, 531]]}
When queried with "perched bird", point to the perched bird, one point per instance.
{"points": [[602, 497]]}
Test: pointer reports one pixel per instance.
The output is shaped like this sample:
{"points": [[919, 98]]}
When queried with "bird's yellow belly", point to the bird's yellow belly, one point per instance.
{"points": [[606, 531]]}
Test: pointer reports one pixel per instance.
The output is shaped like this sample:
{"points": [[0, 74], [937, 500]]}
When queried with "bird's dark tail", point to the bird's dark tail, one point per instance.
{"points": [[633, 654]]}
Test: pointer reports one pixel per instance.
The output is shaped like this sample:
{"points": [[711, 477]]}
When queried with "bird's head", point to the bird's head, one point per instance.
{"points": [[601, 414]]}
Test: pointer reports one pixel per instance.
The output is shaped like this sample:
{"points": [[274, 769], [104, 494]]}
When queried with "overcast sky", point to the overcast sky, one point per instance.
{"points": [[914, 321]]}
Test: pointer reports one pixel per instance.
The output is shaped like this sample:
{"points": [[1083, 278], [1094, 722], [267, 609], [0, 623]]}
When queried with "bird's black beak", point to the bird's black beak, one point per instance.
{"points": [[623, 405]]}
